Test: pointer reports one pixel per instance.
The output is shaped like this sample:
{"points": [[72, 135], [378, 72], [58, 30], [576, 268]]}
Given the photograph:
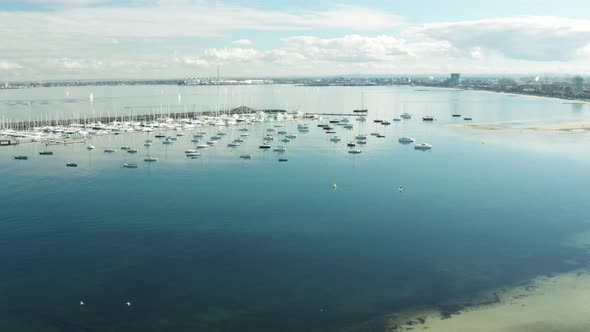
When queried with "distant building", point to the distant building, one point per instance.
{"points": [[577, 86], [405, 80], [455, 79]]}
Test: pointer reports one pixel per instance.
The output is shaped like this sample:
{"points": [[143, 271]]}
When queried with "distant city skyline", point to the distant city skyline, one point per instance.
{"points": [[88, 39]]}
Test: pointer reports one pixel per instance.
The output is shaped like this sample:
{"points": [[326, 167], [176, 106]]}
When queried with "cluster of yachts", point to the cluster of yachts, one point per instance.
{"points": [[66, 129], [275, 133], [361, 139]]}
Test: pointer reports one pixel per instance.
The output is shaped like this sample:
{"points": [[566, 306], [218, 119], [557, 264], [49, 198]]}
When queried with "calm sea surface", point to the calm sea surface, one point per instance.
{"points": [[224, 244]]}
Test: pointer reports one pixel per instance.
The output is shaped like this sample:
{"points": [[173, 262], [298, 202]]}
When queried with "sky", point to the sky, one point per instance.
{"points": [[100, 39]]}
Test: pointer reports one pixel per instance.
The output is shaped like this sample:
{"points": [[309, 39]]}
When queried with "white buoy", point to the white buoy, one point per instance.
{"points": [[401, 189], [128, 304], [81, 302]]}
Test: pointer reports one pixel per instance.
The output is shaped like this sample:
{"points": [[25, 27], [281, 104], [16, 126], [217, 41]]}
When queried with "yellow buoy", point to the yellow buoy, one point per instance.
{"points": [[334, 186]]}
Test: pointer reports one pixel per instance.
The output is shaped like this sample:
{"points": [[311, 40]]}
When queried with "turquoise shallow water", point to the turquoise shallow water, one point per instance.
{"points": [[223, 244]]}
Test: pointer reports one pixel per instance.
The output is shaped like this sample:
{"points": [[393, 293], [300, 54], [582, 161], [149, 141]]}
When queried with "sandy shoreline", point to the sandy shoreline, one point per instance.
{"points": [[555, 303], [534, 126], [549, 303]]}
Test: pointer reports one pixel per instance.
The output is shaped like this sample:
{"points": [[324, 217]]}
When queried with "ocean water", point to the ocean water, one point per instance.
{"points": [[224, 244]]}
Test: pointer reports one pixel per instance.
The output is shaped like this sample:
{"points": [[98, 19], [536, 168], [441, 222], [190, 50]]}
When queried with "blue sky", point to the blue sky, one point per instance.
{"points": [[45, 39]]}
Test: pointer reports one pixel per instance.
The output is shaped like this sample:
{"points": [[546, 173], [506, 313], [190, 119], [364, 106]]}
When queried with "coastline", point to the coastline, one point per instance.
{"points": [[546, 303], [566, 100], [531, 126], [556, 302]]}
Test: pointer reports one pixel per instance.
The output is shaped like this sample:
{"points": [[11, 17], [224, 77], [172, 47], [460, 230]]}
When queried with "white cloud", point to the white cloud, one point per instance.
{"points": [[354, 48], [65, 2], [8, 65], [233, 54], [168, 38], [531, 38], [192, 61], [242, 42], [477, 53]]}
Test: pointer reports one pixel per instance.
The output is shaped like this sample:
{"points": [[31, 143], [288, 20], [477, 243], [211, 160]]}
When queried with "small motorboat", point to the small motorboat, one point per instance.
{"points": [[456, 115], [282, 160], [264, 146], [351, 144], [70, 164], [467, 119], [380, 136], [335, 139], [406, 140], [132, 150], [427, 118], [354, 151], [202, 146], [147, 144], [406, 116], [190, 151], [246, 156], [211, 142], [110, 150], [125, 148], [160, 136], [423, 146], [397, 119], [377, 121], [280, 149], [46, 153], [90, 147], [386, 123], [130, 165], [21, 157], [193, 154], [233, 145], [150, 159]]}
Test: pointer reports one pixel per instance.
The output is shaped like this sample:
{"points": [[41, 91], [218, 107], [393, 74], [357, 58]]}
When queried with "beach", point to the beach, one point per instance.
{"points": [[551, 303], [533, 126]]}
